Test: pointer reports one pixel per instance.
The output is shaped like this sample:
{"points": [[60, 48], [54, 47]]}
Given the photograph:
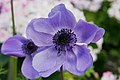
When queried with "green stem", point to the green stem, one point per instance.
{"points": [[12, 74], [13, 21], [61, 73]]}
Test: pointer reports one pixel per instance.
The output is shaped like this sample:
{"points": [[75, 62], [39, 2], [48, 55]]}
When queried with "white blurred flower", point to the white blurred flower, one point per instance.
{"points": [[92, 5], [114, 11], [26, 10], [108, 76], [93, 51]]}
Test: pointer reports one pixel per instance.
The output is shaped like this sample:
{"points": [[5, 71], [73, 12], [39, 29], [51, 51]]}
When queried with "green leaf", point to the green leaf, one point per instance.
{"points": [[54, 76], [3, 59], [90, 71], [93, 45]]}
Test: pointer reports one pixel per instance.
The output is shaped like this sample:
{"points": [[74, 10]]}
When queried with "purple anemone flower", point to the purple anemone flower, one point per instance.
{"points": [[22, 47], [66, 42]]}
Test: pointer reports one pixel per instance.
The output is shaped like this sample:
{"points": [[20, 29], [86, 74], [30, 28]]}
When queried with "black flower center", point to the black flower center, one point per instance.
{"points": [[29, 47], [65, 38]]}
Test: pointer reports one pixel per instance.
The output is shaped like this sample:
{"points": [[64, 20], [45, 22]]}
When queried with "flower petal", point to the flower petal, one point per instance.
{"points": [[39, 50], [84, 59], [39, 38], [46, 59], [27, 69], [99, 34], [48, 25], [20, 38], [67, 18], [71, 63], [59, 63], [12, 46], [87, 32]]}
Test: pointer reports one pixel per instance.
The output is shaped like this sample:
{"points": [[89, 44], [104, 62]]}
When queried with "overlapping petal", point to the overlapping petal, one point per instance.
{"points": [[59, 62], [99, 34], [27, 69], [47, 59], [48, 25], [39, 38], [71, 63], [13, 46], [67, 19], [84, 58], [87, 32]]}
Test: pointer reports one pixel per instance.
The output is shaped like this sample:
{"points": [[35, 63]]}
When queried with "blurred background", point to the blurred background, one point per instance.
{"points": [[104, 13]]}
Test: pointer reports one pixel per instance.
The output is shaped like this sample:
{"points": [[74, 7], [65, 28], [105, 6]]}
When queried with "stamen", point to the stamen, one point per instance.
{"points": [[64, 38], [29, 47]]}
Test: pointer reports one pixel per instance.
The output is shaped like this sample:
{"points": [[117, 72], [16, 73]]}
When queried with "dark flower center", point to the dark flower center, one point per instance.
{"points": [[29, 47], [65, 38]]}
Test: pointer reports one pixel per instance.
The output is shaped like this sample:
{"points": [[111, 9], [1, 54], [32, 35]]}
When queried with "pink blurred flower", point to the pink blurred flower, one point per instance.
{"points": [[4, 35], [108, 76]]}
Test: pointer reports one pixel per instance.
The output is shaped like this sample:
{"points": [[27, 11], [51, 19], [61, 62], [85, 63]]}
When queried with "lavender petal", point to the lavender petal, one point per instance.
{"points": [[13, 46], [84, 58], [27, 70], [67, 18]]}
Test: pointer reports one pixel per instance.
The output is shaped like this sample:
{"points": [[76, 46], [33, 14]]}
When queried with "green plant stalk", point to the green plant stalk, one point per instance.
{"points": [[61, 73], [12, 73], [13, 21]]}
